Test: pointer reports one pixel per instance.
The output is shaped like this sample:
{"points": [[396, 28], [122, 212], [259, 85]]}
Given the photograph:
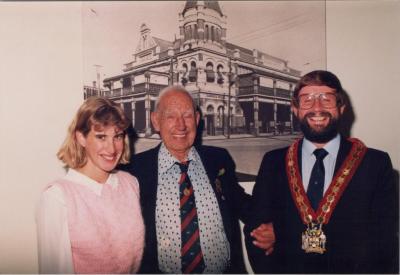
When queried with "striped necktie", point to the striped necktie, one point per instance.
{"points": [[191, 254]]}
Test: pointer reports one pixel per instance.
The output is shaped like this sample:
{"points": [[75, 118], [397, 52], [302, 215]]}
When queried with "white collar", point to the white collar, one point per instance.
{"points": [[332, 147], [168, 160], [77, 177]]}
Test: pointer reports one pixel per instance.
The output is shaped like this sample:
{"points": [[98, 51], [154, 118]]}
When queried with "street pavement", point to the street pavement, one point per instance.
{"points": [[247, 151]]}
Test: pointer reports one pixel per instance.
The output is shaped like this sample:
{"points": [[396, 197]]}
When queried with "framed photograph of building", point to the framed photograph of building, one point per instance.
{"points": [[240, 61]]}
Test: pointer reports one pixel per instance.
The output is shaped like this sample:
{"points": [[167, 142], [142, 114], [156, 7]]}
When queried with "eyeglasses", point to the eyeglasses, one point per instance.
{"points": [[327, 100]]}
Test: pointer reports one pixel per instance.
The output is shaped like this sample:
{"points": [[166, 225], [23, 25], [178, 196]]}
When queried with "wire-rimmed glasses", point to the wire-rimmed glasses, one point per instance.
{"points": [[327, 100]]}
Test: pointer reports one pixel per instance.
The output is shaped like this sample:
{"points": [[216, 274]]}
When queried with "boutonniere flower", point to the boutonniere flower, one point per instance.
{"points": [[218, 183]]}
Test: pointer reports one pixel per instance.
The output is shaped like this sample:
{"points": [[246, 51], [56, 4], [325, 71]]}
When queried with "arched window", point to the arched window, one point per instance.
{"points": [[185, 33], [189, 32], [195, 35], [185, 69], [193, 72], [207, 32], [210, 74], [220, 78], [212, 33], [220, 116], [184, 78], [218, 34]]}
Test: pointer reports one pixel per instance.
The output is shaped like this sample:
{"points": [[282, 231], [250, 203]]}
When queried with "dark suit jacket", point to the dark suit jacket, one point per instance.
{"points": [[361, 234], [233, 201]]}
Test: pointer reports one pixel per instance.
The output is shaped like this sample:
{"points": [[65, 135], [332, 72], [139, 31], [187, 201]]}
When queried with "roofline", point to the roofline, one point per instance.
{"points": [[162, 62]]}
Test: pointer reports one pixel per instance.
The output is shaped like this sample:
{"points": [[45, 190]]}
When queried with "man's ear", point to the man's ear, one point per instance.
{"points": [[80, 138], [155, 120]]}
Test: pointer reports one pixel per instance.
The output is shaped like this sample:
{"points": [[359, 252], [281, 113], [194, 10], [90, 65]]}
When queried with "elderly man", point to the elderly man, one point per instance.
{"points": [[191, 200], [332, 201]]}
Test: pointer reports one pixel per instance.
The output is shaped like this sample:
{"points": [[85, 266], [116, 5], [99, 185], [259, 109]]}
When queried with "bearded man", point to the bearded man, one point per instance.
{"points": [[331, 201]]}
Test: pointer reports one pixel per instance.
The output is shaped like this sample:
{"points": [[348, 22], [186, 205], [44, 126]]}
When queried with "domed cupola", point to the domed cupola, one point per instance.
{"points": [[202, 23], [213, 5]]}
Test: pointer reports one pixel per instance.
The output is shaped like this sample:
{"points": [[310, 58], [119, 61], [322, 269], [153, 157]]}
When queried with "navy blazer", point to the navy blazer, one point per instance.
{"points": [[233, 202], [361, 234]]}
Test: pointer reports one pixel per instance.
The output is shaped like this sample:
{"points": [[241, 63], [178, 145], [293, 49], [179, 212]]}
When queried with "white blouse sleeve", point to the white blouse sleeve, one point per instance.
{"points": [[54, 246]]}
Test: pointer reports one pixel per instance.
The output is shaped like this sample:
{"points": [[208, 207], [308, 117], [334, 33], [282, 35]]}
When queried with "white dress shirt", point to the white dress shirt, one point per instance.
{"points": [[308, 160], [214, 243]]}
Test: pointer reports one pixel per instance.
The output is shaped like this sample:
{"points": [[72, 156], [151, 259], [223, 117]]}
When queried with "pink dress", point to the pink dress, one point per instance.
{"points": [[107, 231]]}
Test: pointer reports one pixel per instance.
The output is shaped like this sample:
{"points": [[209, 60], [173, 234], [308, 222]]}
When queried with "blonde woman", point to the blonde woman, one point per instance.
{"points": [[90, 220]]}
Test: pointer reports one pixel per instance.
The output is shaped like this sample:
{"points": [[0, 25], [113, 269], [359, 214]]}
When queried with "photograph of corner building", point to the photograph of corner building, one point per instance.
{"points": [[238, 90]]}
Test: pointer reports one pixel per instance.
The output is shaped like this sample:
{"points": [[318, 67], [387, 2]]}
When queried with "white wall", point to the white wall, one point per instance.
{"points": [[363, 46], [41, 87], [41, 68]]}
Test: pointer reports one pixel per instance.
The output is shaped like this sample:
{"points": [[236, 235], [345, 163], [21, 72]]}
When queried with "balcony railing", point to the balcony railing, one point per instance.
{"points": [[282, 93], [154, 89], [140, 88], [108, 93], [267, 91], [246, 90]]}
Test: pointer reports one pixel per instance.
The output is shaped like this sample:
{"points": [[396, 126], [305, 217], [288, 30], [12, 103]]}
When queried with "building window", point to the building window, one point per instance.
{"points": [[220, 116], [207, 33], [218, 35], [188, 32], [210, 74], [195, 36], [220, 79], [184, 79], [193, 72], [126, 82]]}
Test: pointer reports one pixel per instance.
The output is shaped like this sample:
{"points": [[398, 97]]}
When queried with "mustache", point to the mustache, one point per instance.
{"points": [[323, 114]]}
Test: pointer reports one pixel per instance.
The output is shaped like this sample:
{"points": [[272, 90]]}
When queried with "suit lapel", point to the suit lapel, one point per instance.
{"points": [[148, 184], [299, 157], [344, 149], [152, 170], [211, 162]]}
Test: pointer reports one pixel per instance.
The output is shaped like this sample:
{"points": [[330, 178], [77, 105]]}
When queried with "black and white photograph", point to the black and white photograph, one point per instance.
{"points": [[247, 55]]}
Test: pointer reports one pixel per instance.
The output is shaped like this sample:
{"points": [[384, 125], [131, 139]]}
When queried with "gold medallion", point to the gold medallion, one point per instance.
{"points": [[313, 239]]}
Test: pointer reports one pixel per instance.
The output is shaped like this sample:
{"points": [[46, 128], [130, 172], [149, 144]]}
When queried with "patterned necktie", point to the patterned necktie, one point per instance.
{"points": [[191, 254], [317, 179]]}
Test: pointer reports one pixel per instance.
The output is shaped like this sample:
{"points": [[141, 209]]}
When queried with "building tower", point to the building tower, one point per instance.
{"points": [[208, 71], [238, 90]]}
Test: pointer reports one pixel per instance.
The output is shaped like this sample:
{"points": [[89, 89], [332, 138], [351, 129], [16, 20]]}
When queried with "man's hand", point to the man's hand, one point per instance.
{"points": [[264, 237]]}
